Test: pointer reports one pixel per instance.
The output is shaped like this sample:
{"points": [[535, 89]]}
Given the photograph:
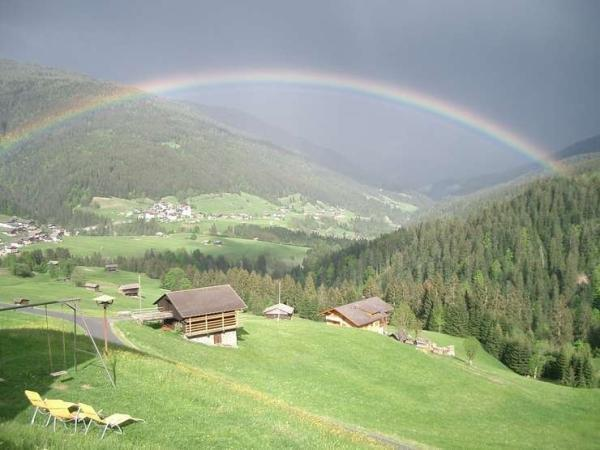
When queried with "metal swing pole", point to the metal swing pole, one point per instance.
{"points": [[62, 308], [48, 338], [75, 338]]}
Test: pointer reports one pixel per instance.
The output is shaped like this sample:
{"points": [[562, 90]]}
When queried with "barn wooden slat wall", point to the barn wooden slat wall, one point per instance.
{"points": [[211, 323]]}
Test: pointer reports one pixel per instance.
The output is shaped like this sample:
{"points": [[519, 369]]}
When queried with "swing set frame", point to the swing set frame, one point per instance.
{"points": [[73, 304]]}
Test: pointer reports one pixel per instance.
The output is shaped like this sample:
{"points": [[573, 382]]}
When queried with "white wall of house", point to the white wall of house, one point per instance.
{"points": [[228, 339]]}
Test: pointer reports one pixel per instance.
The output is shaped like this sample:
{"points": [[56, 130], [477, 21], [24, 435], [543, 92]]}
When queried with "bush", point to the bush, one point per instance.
{"points": [[22, 270], [78, 277], [471, 345]]}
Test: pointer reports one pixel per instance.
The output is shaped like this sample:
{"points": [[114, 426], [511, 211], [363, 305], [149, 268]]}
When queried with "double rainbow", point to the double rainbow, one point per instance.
{"points": [[304, 79]]}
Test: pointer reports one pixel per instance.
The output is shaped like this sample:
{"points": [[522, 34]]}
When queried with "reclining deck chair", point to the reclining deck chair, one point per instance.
{"points": [[40, 405], [60, 410], [114, 421]]}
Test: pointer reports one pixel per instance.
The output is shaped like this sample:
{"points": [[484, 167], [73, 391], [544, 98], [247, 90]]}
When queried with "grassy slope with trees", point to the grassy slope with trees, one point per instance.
{"points": [[285, 387], [521, 274], [146, 147]]}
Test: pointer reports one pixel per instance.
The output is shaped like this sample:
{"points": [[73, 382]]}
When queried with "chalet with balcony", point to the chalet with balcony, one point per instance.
{"points": [[209, 315]]}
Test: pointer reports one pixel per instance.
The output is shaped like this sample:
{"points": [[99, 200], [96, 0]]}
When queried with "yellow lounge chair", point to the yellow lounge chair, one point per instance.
{"points": [[60, 410], [114, 421], [40, 405]]}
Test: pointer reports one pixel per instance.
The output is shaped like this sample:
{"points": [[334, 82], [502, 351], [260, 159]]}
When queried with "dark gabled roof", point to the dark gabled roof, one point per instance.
{"points": [[363, 312], [206, 300]]}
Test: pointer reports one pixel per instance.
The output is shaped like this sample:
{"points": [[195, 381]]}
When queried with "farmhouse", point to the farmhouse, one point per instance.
{"points": [[94, 287], [111, 267], [279, 311], [208, 315], [370, 313], [130, 290]]}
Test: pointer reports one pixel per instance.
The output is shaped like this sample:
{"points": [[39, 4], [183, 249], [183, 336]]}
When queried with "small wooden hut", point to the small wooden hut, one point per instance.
{"points": [[94, 287], [111, 267], [130, 290], [279, 311], [208, 315], [370, 313]]}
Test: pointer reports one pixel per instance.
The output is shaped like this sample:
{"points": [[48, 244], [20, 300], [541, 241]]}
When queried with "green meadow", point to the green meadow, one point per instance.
{"points": [[233, 248], [42, 288], [182, 407], [300, 384], [227, 209]]}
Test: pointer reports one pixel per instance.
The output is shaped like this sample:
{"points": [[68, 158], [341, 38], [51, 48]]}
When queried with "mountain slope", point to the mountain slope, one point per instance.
{"points": [[143, 147], [454, 187], [254, 127], [524, 267]]}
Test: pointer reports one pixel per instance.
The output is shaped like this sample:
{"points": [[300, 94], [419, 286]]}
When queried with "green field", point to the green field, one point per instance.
{"points": [[226, 209], [182, 407], [305, 384], [233, 248], [42, 288]]}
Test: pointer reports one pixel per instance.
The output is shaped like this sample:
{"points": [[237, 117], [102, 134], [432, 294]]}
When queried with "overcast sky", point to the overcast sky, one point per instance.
{"points": [[533, 66]]}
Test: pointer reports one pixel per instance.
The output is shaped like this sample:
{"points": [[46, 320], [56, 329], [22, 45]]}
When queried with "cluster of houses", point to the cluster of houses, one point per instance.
{"points": [[169, 212], [166, 212], [211, 315], [22, 232]]}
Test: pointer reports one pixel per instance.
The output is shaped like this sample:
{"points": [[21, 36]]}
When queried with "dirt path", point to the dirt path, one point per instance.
{"points": [[95, 324]]}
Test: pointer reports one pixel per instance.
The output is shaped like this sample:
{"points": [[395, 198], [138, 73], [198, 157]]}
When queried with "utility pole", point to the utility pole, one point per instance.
{"points": [[140, 292], [105, 301], [105, 305]]}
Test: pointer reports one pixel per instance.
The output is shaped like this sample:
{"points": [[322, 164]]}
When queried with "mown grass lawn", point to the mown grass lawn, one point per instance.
{"points": [[370, 381], [183, 408], [295, 384], [233, 248], [42, 288]]}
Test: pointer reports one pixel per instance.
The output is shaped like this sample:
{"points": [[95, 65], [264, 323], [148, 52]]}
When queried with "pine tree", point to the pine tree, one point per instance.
{"points": [[517, 354], [437, 321], [494, 342], [456, 320]]}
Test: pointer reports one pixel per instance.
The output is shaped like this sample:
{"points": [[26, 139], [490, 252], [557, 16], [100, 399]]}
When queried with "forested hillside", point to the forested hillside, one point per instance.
{"points": [[522, 274], [135, 148]]}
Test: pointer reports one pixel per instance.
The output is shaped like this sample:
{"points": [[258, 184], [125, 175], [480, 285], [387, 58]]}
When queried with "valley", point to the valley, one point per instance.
{"points": [[391, 279]]}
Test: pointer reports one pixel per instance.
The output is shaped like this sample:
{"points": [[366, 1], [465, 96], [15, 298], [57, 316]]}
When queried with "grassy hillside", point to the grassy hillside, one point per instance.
{"points": [[284, 386], [372, 382], [112, 246], [230, 209], [143, 147], [182, 407], [42, 288]]}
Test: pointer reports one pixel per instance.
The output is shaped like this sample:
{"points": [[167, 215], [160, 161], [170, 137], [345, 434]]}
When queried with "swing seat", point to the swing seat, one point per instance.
{"points": [[58, 373]]}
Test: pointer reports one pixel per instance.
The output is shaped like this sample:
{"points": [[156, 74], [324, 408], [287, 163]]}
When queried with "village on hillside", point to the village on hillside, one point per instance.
{"points": [[164, 211], [18, 233]]}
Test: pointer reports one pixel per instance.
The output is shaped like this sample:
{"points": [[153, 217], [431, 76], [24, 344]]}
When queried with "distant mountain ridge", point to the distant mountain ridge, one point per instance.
{"points": [[144, 147], [454, 187]]}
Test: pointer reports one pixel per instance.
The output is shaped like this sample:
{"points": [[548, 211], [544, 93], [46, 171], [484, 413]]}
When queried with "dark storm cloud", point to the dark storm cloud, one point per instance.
{"points": [[533, 66]]}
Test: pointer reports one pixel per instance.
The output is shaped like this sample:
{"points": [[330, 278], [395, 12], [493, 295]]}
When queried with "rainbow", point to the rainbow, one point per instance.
{"points": [[304, 79]]}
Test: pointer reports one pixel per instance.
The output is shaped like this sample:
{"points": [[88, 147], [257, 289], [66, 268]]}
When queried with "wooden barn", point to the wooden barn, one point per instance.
{"points": [[279, 311], [111, 267], [94, 287], [130, 290], [208, 315], [370, 313]]}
